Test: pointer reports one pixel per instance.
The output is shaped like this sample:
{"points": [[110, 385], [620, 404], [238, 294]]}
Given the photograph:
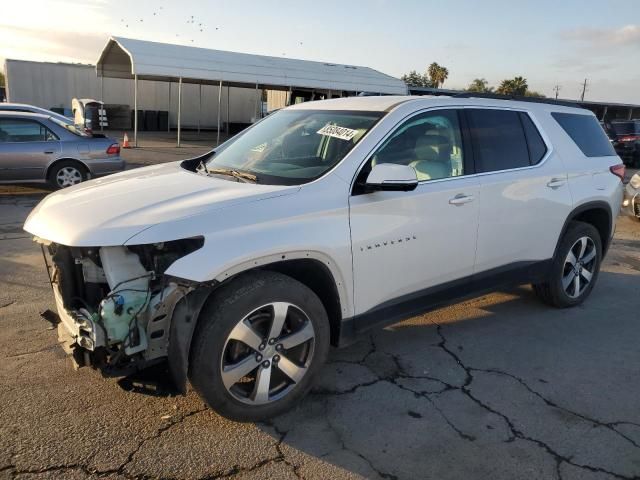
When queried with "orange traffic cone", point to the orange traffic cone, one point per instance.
{"points": [[125, 142]]}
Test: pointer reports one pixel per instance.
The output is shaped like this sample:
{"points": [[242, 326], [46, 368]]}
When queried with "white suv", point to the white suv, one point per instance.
{"points": [[239, 268]]}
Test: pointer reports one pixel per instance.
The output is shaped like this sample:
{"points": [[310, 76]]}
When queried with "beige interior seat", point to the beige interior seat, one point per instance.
{"points": [[433, 153]]}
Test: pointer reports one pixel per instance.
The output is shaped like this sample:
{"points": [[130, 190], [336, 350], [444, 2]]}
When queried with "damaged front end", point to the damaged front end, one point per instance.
{"points": [[115, 303]]}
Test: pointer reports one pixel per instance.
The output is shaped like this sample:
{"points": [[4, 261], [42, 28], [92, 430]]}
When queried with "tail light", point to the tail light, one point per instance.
{"points": [[618, 170], [113, 149], [629, 138]]}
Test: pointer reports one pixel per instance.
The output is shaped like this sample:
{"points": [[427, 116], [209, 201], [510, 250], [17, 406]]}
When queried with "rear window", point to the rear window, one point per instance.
{"points": [[70, 127], [626, 128], [586, 133]]}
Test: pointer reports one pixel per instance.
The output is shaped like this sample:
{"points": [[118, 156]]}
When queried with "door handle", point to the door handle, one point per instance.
{"points": [[48, 152], [461, 199], [556, 182]]}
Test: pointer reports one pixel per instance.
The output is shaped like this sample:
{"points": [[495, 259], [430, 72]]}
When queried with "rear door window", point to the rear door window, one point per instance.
{"points": [[17, 130], [499, 141], [586, 133]]}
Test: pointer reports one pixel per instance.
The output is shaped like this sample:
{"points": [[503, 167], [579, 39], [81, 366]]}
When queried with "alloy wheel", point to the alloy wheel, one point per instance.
{"points": [[267, 353], [579, 267], [68, 176]]}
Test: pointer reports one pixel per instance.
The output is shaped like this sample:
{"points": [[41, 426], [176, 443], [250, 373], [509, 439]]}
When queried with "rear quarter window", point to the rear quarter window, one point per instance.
{"points": [[586, 133]]}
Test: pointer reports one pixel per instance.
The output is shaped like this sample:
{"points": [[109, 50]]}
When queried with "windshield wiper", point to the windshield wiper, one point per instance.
{"points": [[202, 168], [245, 177]]}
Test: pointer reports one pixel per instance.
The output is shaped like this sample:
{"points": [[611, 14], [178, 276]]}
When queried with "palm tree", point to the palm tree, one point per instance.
{"points": [[437, 74], [519, 86], [514, 86], [479, 85]]}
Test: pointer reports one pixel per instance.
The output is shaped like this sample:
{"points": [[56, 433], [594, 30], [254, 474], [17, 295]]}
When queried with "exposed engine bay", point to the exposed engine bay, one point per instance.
{"points": [[115, 303]]}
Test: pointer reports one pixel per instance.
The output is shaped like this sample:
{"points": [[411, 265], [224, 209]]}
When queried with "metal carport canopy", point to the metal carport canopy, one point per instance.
{"points": [[140, 59], [126, 58]]}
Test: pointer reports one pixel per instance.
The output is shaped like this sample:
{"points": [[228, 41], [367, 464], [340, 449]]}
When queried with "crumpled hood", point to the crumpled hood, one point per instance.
{"points": [[110, 210]]}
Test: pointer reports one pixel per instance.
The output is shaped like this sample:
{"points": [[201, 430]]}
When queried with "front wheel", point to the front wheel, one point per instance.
{"points": [[575, 267], [260, 342]]}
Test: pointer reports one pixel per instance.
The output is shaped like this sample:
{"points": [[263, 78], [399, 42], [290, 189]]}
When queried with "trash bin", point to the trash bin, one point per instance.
{"points": [[151, 120], [163, 120], [141, 126]]}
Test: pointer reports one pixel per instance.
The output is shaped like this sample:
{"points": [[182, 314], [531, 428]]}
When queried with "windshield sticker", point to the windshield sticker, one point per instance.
{"points": [[259, 148], [335, 131]]}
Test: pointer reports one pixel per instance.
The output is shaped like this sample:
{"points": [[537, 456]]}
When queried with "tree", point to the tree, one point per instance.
{"points": [[533, 93], [438, 74], [479, 85], [515, 86], [414, 79]]}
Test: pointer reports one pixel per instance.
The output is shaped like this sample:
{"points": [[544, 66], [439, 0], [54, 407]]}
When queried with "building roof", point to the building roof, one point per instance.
{"points": [[125, 57]]}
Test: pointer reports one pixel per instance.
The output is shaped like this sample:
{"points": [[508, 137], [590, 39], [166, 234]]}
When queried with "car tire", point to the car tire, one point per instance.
{"points": [[562, 290], [67, 173], [219, 357]]}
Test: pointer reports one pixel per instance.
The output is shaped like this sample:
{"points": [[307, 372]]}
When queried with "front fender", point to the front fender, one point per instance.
{"points": [[183, 324]]}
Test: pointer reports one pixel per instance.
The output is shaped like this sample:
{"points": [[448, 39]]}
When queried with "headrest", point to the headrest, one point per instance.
{"points": [[433, 148]]}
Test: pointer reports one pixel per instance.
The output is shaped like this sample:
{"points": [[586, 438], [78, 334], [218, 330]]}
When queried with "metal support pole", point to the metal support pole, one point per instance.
{"points": [[256, 110], [135, 110], [169, 110], [179, 106], [630, 113], [199, 108], [219, 103], [228, 101], [102, 100], [604, 113]]}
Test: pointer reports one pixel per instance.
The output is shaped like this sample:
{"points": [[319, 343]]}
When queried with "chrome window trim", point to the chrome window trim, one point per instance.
{"points": [[408, 117]]}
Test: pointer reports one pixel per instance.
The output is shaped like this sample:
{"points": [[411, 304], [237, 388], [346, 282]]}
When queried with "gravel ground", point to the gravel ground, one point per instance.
{"points": [[498, 387]]}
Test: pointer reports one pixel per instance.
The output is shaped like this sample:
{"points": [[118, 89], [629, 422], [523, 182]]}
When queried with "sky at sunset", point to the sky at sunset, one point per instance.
{"points": [[548, 42]]}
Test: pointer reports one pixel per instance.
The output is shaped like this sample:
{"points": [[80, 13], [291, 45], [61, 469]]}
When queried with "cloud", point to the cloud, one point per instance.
{"points": [[628, 35], [52, 45]]}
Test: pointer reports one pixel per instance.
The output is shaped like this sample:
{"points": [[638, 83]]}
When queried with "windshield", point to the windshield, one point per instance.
{"points": [[291, 147], [70, 127]]}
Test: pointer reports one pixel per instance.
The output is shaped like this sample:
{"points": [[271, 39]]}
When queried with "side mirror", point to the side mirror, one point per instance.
{"points": [[391, 177]]}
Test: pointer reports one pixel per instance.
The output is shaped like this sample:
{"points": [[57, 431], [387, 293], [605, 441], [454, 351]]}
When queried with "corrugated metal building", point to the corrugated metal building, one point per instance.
{"points": [[49, 85]]}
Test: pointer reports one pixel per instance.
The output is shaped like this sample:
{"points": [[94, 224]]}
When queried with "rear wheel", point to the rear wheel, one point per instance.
{"points": [[575, 267], [260, 342], [67, 173]]}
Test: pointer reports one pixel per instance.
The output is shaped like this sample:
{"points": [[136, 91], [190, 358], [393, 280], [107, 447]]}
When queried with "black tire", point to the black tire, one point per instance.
{"points": [[69, 165], [552, 291], [223, 312]]}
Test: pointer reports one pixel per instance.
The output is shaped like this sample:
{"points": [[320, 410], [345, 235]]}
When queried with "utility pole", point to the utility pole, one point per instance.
{"points": [[584, 89], [557, 89]]}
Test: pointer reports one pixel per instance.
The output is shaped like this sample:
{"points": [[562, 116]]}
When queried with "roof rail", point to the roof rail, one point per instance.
{"points": [[519, 98]]}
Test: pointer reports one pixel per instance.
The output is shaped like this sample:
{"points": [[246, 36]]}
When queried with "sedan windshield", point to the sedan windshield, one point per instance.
{"points": [[291, 147]]}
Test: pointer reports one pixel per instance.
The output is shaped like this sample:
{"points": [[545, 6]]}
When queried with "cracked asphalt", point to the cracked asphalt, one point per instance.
{"points": [[497, 387]]}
